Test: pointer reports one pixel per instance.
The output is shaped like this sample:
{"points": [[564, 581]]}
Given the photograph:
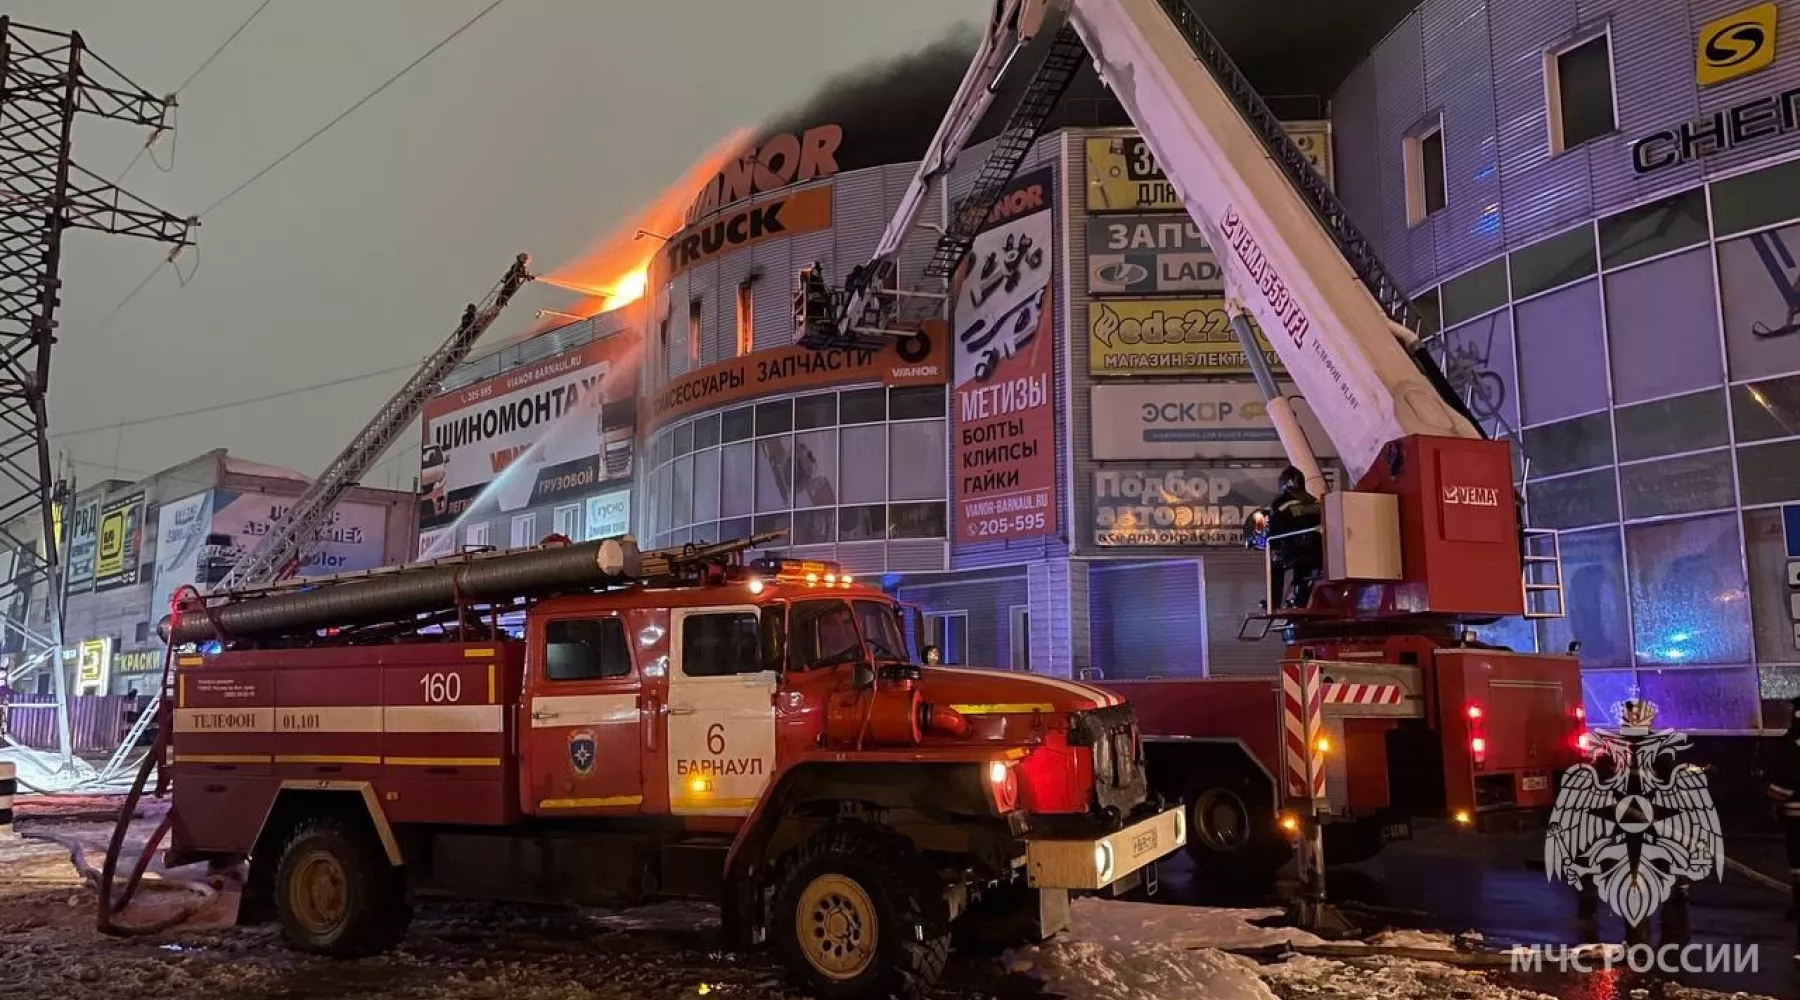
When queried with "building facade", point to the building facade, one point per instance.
{"points": [[129, 546], [1601, 202]]}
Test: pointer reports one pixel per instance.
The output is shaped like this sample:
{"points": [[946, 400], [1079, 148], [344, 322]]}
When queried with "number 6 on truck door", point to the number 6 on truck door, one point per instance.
{"points": [[721, 712]]}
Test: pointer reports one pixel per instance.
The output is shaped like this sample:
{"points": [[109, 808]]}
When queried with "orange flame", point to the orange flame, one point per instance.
{"points": [[615, 271]]}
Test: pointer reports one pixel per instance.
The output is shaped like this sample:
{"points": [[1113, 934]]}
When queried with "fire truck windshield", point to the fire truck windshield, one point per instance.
{"points": [[880, 626], [827, 632]]}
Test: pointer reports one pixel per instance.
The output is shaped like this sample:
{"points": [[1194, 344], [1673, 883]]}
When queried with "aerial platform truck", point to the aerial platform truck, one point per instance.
{"points": [[1384, 705], [588, 723]]}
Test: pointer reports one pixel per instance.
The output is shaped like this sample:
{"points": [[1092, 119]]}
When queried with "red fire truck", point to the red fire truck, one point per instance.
{"points": [[580, 723]]}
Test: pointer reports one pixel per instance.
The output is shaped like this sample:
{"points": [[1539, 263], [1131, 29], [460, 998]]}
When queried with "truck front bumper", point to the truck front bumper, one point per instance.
{"points": [[1098, 862]]}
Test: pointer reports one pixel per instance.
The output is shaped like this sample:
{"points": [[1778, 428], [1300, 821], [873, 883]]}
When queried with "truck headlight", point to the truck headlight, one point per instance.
{"points": [[1103, 862]]}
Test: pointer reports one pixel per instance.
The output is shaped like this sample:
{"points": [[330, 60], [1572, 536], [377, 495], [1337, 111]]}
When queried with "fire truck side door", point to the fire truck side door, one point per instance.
{"points": [[721, 711], [583, 747]]}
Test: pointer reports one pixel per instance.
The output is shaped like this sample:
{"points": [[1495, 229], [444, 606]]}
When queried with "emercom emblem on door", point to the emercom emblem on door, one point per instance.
{"points": [[721, 712]]}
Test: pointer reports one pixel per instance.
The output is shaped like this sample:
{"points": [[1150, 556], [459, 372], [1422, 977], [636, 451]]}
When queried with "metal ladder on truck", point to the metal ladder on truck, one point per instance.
{"points": [[280, 552]]}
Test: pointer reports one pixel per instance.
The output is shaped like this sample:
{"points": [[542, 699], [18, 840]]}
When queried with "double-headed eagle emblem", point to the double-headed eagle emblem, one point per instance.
{"points": [[1634, 819]]}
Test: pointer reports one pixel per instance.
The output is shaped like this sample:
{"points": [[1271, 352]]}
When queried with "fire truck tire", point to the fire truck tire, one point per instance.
{"points": [[860, 916], [1233, 835], [336, 894]]}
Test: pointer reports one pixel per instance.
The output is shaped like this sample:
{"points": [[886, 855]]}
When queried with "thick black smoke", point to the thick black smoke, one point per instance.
{"points": [[889, 110]]}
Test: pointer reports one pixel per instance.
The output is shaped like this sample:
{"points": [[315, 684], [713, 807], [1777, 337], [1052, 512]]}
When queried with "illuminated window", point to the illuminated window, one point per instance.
{"points": [[1424, 169], [746, 319], [693, 343], [1578, 85]]}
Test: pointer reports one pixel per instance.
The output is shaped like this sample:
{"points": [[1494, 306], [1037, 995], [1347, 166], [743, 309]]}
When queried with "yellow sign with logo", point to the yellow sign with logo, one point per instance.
{"points": [[91, 666], [1123, 175], [1167, 337], [1736, 45]]}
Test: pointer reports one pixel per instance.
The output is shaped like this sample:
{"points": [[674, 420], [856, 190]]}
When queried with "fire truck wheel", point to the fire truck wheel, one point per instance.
{"points": [[336, 894], [858, 914], [1232, 831]]}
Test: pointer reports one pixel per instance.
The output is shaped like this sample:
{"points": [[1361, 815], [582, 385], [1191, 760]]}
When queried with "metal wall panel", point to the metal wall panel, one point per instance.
{"points": [[859, 214], [1539, 195], [1400, 110], [1653, 87], [988, 600], [720, 341], [1459, 85], [1779, 78], [1235, 582], [1356, 158], [773, 295], [1148, 619]]}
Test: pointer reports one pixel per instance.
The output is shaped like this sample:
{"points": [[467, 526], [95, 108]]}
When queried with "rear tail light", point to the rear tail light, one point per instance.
{"points": [[1477, 735], [1583, 741], [1003, 786]]}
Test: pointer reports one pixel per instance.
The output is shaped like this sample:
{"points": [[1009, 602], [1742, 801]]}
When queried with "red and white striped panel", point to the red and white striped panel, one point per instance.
{"points": [[1364, 694], [1302, 722]]}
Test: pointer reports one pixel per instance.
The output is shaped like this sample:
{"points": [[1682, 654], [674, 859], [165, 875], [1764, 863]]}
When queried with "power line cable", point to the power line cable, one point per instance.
{"points": [[214, 408], [191, 77], [283, 158], [347, 112]]}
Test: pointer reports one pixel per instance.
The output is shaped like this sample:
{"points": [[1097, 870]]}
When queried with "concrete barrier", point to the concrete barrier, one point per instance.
{"points": [[9, 784]]}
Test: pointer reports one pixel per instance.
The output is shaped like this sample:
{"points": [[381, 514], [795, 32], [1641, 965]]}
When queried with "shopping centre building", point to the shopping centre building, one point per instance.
{"points": [[1601, 210]]}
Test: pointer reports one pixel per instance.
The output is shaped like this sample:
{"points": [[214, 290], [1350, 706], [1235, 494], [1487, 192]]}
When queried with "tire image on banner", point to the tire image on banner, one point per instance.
{"points": [[1005, 459]]}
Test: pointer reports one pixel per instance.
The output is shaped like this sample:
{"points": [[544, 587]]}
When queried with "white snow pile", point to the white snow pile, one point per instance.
{"points": [[1091, 970], [1413, 939], [1385, 978], [1128, 951]]}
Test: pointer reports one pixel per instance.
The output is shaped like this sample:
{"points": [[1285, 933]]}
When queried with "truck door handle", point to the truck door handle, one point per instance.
{"points": [[540, 716], [682, 710]]}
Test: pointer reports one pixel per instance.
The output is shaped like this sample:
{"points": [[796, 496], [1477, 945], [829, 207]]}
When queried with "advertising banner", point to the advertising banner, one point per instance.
{"points": [[181, 530], [84, 538], [355, 538], [120, 543], [1123, 174], [1167, 337], [786, 213], [609, 515], [1146, 254], [1211, 420], [139, 661], [922, 359], [1181, 506], [436, 544], [1005, 444], [549, 431]]}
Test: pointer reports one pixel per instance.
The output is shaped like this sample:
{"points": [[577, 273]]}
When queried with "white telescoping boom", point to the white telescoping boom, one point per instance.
{"points": [[1284, 244]]}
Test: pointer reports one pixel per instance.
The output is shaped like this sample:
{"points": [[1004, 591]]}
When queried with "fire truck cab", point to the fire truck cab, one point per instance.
{"points": [[757, 735]]}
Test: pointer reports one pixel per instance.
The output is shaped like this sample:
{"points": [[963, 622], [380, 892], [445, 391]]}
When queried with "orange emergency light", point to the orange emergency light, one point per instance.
{"points": [[806, 572]]}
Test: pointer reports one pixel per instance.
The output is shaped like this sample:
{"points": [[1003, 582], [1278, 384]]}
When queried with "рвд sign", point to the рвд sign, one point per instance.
{"points": [[1167, 337], [1205, 420], [1149, 254]]}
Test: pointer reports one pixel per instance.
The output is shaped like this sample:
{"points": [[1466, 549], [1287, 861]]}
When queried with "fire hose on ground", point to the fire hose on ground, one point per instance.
{"points": [[107, 908]]}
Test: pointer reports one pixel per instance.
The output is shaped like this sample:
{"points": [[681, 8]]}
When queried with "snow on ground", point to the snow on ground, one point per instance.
{"points": [[475, 951], [1385, 978]]}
